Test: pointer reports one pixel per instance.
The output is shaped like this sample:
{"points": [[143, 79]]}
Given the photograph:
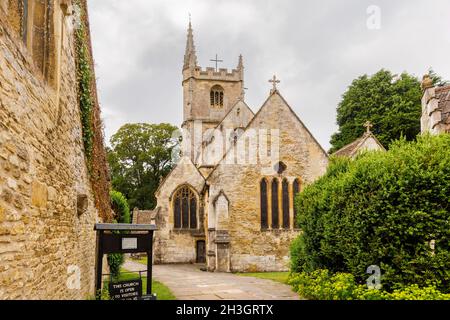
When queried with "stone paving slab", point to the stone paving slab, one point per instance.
{"points": [[188, 282]]}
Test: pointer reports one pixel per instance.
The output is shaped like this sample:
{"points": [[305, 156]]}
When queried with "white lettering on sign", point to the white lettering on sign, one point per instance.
{"points": [[129, 243]]}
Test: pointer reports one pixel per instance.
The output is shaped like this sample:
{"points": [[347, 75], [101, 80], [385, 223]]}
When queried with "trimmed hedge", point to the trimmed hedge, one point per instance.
{"points": [[383, 208]]}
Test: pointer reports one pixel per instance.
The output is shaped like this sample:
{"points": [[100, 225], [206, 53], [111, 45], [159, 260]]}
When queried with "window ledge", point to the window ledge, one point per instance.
{"points": [[193, 232], [280, 230]]}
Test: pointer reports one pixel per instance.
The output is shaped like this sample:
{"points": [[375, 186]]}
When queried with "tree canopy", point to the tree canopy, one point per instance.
{"points": [[392, 103], [139, 157]]}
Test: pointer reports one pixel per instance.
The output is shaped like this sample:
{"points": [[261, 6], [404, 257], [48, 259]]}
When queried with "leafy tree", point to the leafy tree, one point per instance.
{"points": [[139, 157], [385, 209], [391, 103]]}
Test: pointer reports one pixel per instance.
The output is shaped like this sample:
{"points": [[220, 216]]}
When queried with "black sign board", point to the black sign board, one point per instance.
{"points": [[126, 290], [111, 240]]}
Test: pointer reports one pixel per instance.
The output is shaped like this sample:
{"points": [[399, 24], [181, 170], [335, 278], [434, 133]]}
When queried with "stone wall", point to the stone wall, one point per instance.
{"points": [[47, 210]]}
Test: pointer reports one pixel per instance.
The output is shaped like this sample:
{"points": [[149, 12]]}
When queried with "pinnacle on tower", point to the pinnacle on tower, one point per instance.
{"points": [[240, 65], [190, 58]]}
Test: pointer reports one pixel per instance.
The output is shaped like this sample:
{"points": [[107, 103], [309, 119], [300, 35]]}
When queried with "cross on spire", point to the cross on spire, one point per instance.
{"points": [[368, 125], [216, 60], [274, 82]]}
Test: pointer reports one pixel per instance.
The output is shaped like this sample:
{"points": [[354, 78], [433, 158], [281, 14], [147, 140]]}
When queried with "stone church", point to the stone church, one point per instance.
{"points": [[229, 202]]}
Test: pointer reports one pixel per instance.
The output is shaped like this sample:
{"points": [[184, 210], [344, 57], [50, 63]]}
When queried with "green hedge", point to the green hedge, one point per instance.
{"points": [[322, 285], [381, 209]]}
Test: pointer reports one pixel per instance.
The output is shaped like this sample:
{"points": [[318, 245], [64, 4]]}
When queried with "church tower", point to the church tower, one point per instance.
{"points": [[210, 93]]}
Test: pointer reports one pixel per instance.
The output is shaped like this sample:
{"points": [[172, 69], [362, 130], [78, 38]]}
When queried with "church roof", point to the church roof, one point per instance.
{"points": [[183, 166], [272, 94], [352, 148], [144, 216]]}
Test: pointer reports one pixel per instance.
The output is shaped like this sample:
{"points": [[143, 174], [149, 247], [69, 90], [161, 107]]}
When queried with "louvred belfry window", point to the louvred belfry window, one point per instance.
{"points": [[216, 96]]}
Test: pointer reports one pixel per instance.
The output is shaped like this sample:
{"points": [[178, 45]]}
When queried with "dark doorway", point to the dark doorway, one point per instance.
{"points": [[201, 251]]}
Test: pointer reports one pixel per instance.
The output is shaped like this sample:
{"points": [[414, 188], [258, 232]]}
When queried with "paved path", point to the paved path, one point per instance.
{"points": [[188, 282]]}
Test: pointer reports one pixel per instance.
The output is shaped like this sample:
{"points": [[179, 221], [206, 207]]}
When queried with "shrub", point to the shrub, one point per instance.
{"points": [[120, 207], [323, 285], [381, 209], [121, 210]]}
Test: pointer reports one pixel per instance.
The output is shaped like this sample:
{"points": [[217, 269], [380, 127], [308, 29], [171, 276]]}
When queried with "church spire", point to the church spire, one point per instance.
{"points": [[190, 58]]}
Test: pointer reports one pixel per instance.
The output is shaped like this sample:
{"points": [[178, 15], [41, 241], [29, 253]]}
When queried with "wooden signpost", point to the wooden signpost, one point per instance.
{"points": [[122, 238]]}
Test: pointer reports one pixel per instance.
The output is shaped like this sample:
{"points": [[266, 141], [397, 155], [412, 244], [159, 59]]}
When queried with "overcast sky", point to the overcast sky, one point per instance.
{"points": [[316, 48]]}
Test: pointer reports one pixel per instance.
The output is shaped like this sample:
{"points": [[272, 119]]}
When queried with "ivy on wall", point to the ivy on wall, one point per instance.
{"points": [[92, 134], [84, 77]]}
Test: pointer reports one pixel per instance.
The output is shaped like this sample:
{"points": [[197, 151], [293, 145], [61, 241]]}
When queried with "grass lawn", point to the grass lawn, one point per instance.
{"points": [[161, 291], [275, 276]]}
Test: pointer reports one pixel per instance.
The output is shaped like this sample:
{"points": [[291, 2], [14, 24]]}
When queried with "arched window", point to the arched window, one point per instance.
{"points": [[295, 191], [263, 195], [185, 209], [285, 196], [216, 96], [275, 206]]}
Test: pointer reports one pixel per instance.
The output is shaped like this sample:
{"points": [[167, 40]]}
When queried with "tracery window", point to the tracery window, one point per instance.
{"points": [[185, 209], [282, 196]]}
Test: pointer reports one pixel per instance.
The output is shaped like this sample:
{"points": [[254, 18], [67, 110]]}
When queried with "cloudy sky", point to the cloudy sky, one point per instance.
{"points": [[316, 48]]}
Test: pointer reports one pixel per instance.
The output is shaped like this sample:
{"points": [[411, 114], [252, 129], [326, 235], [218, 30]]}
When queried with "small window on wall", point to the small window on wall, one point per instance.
{"points": [[185, 209], [216, 96]]}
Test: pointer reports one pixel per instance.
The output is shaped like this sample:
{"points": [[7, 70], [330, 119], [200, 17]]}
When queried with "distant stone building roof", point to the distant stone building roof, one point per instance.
{"points": [[367, 142], [144, 216], [443, 95], [435, 107]]}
